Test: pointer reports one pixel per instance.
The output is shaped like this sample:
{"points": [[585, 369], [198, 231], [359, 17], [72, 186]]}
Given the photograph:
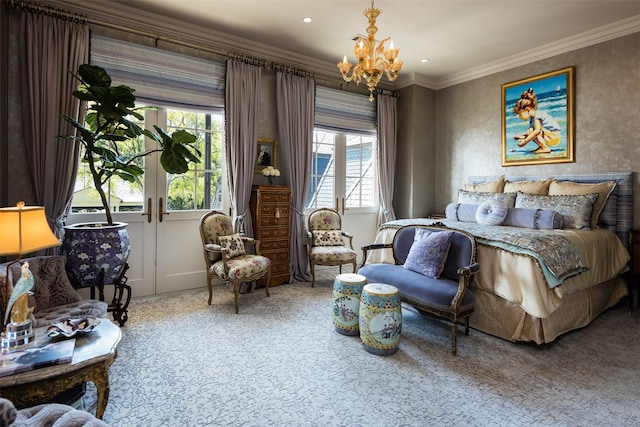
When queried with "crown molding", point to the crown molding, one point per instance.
{"points": [[588, 38], [165, 27], [121, 14]]}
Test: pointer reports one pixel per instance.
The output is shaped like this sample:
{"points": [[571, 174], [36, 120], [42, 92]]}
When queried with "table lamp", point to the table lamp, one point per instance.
{"points": [[23, 229]]}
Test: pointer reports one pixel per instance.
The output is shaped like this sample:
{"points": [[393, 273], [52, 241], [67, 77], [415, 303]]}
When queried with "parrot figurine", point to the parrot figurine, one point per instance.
{"points": [[20, 294]]}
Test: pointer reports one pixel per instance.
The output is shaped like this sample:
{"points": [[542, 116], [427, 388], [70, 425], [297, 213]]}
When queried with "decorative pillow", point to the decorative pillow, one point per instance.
{"points": [[491, 212], [530, 187], [603, 189], [461, 212], [486, 187], [327, 238], [234, 243], [472, 198], [575, 210], [533, 218], [428, 252]]}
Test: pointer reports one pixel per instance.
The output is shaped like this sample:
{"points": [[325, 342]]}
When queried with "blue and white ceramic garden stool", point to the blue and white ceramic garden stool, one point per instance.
{"points": [[380, 318], [347, 289]]}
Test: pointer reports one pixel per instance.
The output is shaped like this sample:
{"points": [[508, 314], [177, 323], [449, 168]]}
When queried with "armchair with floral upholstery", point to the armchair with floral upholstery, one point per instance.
{"points": [[226, 255], [326, 241]]}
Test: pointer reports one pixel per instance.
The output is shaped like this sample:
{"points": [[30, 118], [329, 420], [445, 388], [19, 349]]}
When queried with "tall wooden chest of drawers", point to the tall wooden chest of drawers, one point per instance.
{"points": [[270, 212]]}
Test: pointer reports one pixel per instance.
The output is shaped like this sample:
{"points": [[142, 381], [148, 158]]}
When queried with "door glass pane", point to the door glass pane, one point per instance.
{"points": [[359, 181], [123, 196], [202, 186], [321, 184]]}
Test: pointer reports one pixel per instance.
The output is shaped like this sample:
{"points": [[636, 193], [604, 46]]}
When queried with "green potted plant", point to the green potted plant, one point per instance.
{"points": [[109, 124]]}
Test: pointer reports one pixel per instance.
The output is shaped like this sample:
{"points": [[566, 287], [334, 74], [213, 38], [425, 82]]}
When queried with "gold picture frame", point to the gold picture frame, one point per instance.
{"points": [[266, 155], [538, 119]]}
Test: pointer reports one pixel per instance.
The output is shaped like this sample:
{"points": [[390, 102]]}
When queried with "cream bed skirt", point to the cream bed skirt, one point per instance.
{"points": [[513, 300]]}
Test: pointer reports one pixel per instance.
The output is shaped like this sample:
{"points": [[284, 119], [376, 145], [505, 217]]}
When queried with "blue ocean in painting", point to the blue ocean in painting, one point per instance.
{"points": [[552, 99]]}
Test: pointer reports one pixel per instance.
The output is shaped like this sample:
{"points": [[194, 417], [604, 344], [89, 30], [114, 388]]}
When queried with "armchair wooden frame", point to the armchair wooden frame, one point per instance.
{"points": [[336, 225], [214, 253]]}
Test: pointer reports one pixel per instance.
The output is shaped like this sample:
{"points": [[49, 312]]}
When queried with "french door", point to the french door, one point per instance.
{"points": [[343, 178], [164, 210]]}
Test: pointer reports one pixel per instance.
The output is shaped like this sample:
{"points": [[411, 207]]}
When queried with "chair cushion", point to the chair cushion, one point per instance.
{"points": [[233, 243], [415, 287], [428, 252], [327, 238], [241, 267], [332, 254]]}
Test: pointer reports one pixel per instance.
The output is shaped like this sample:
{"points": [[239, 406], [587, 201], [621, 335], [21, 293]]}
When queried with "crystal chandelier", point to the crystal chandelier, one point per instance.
{"points": [[372, 60]]}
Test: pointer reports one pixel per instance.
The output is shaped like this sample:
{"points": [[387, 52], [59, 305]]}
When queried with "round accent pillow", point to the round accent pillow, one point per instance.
{"points": [[491, 212]]}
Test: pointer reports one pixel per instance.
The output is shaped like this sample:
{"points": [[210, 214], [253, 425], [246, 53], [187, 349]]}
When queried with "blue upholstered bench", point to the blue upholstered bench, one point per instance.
{"points": [[446, 293]]}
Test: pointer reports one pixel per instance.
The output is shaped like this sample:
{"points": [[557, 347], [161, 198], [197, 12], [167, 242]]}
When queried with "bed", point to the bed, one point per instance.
{"points": [[522, 295]]}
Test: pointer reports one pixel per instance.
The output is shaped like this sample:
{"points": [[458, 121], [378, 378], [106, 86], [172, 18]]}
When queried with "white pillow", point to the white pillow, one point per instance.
{"points": [[491, 212]]}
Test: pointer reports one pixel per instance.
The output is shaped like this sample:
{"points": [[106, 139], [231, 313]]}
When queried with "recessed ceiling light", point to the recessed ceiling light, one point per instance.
{"points": [[306, 20], [423, 60]]}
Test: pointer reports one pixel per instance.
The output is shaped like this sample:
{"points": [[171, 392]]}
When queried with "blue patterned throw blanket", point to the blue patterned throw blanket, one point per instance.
{"points": [[557, 256]]}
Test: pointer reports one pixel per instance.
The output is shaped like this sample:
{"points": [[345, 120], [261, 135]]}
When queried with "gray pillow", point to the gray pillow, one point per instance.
{"points": [[461, 212], [541, 219], [534, 218]]}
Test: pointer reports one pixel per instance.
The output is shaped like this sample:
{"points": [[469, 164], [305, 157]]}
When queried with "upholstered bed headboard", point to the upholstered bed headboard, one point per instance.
{"points": [[617, 214]]}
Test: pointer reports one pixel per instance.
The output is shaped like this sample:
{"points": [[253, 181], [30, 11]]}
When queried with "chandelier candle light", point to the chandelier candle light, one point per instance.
{"points": [[372, 60]]}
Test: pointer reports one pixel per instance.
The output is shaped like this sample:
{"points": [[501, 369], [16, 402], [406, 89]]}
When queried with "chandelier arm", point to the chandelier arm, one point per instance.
{"points": [[380, 48]]}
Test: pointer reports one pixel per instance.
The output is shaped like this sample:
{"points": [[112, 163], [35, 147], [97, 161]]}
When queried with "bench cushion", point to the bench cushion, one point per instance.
{"points": [[412, 286]]}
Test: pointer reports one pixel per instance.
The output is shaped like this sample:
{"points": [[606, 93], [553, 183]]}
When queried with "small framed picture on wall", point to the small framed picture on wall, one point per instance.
{"points": [[266, 154]]}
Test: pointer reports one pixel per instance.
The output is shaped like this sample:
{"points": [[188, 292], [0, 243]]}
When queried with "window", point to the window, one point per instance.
{"points": [[201, 188], [342, 168]]}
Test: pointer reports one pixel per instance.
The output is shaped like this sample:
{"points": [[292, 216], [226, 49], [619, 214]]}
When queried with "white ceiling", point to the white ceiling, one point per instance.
{"points": [[463, 39]]}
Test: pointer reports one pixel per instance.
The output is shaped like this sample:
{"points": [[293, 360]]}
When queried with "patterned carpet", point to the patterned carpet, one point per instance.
{"points": [[280, 363]]}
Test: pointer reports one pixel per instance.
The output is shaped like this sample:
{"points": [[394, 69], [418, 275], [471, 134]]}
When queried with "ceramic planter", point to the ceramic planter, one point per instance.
{"points": [[90, 247]]}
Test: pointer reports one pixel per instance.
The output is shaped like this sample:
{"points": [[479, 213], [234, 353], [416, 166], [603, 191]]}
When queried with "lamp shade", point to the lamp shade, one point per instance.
{"points": [[24, 229]]}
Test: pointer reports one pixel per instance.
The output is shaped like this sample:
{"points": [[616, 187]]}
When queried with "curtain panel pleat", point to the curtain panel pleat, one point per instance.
{"points": [[295, 104], [243, 84], [49, 48], [340, 111], [387, 141], [160, 77]]}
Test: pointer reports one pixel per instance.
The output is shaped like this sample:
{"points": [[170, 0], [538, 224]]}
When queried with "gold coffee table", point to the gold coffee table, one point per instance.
{"points": [[93, 354]]}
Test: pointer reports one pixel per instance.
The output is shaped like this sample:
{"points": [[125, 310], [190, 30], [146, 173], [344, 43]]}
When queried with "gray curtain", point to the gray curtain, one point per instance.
{"points": [[296, 107], [242, 94], [241, 114], [387, 132], [49, 48]]}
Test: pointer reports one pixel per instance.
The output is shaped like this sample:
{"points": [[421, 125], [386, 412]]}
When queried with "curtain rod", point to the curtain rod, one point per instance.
{"points": [[63, 14]]}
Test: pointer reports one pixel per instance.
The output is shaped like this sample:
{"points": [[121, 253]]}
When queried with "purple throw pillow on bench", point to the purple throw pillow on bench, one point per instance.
{"points": [[428, 252]]}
